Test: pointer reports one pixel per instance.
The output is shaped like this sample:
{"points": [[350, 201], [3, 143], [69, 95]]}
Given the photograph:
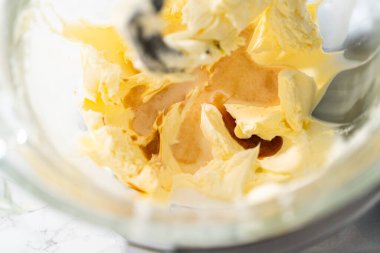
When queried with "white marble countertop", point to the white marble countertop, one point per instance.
{"points": [[29, 226]]}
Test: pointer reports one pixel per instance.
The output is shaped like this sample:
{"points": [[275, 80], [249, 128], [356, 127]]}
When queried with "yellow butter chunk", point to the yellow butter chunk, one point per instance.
{"points": [[213, 28], [100, 76], [266, 122], [286, 25], [222, 179], [297, 93], [104, 39], [172, 16], [287, 35], [214, 129]]}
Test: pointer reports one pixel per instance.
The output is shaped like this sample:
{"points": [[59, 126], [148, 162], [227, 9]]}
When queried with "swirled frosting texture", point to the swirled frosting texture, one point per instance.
{"points": [[241, 122]]}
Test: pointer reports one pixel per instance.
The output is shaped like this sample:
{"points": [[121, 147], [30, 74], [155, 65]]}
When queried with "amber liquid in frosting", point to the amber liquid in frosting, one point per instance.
{"points": [[233, 79]]}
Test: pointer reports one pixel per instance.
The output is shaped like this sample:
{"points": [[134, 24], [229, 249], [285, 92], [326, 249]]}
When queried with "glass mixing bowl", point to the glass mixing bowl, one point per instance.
{"points": [[38, 128]]}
